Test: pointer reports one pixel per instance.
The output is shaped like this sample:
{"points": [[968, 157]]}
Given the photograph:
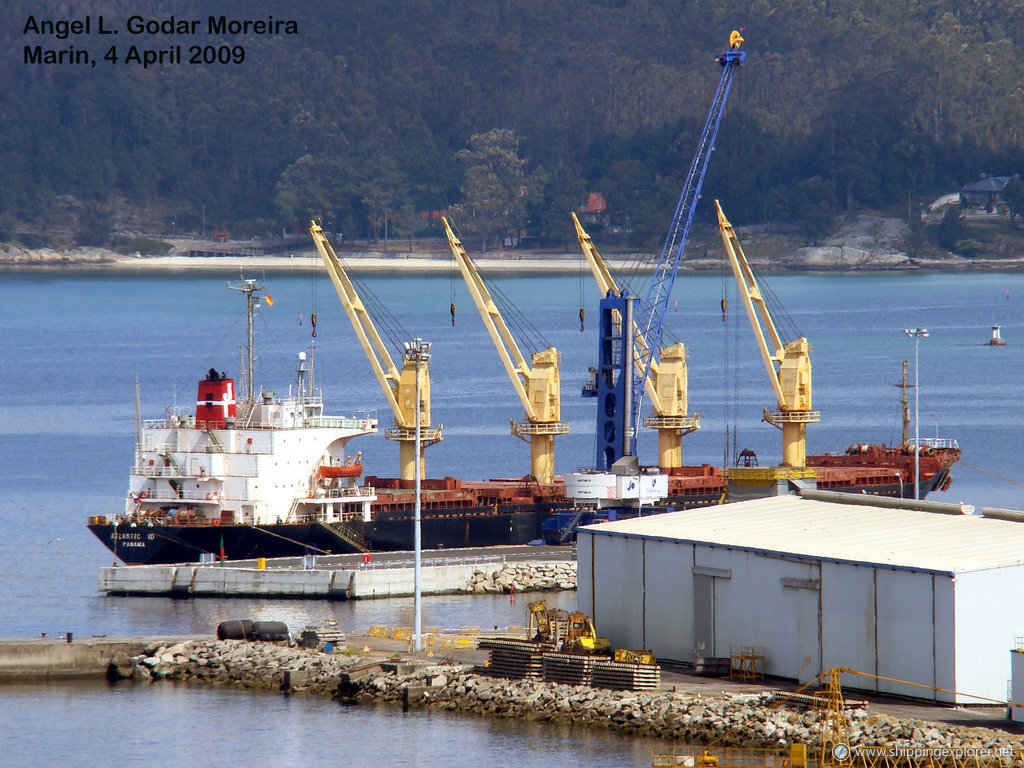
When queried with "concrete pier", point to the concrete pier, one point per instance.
{"points": [[336, 577], [56, 658]]}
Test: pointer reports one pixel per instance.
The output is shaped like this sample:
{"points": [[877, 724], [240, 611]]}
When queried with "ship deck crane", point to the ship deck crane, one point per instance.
{"points": [[667, 385], [399, 387], [536, 382], [621, 387], [788, 365]]}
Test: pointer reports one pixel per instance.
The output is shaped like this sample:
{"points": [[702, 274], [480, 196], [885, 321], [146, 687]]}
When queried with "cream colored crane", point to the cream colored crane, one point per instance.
{"points": [[537, 384], [788, 365], [666, 386], [399, 386]]}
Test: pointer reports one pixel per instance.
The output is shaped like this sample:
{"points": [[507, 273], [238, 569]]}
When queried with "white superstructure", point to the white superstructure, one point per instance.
{"points": [[260, 461], [274, 465]]}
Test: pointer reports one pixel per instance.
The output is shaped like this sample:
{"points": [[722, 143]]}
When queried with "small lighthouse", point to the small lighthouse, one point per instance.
{"points": [[996, 340]]}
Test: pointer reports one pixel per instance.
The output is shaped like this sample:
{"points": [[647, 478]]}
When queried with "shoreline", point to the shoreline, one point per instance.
{"points": [[377, 668], [437, 263], [684, 708]]}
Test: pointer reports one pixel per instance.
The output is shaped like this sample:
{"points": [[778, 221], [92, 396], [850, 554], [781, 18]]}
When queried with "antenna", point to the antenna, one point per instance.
{"points": [[249, 288]]}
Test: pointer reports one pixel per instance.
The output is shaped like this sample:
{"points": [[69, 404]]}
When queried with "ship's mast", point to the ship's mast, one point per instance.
{"points": [[249, 288], [903, 403], [138, 415]]}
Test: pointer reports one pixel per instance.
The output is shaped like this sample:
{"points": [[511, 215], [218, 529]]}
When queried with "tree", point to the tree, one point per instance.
{"points": [[94, 223], [494, 187], [308, 188], [1013, 194], [951, 229]]}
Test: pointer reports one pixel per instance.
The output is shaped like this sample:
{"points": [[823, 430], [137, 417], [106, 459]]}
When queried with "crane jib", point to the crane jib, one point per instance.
{"points": [[652, 311]]}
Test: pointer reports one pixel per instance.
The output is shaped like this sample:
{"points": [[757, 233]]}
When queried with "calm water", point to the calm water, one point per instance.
{"points": [[72, 346]]}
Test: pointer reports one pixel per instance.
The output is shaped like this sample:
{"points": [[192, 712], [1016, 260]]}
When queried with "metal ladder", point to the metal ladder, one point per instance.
{"points": [[349, 535]]}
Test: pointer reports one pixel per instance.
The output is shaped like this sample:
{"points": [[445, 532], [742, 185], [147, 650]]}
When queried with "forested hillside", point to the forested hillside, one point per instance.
{"points": [[366, 116]]}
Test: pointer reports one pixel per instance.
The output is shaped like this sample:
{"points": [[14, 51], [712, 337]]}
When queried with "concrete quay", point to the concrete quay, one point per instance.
{"points": [[64, 657], [351, 577]]}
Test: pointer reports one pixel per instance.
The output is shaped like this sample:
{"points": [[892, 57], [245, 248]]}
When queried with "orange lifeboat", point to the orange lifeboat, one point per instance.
{"points": [[345, 470]]}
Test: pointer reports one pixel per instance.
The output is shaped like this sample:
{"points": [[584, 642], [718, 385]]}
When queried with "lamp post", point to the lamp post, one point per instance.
{"points": [[419, 351], [916, 334]]}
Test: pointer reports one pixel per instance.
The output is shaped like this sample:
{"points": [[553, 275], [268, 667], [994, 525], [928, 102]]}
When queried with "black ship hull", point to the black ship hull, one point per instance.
{"points": [[160, 543], [157, 543]]}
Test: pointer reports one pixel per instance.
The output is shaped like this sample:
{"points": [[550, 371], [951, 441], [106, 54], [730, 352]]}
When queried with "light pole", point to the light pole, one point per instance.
{"points": [[916, 334], [419, 351]]}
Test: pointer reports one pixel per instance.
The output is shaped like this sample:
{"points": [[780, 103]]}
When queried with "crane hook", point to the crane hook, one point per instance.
{"points": [[312, 321], [452, 308], [725, 303], [583, 315]]}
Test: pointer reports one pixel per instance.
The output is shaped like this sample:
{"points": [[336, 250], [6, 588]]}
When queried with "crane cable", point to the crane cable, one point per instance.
{"points": [[451, 285], [313, 286], [583, 313], [522, 329]]}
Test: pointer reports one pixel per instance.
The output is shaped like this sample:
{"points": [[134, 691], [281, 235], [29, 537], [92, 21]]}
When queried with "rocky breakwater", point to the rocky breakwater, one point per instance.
{"points": [[526, 577], [47, 257], [267, 666], [746, 720]]}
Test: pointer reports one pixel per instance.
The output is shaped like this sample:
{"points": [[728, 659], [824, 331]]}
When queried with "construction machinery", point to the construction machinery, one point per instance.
{"points": [[400, 387], [625, 366], [582, 638], [667, 385], [788, 365], [568, 632], [536, 382]]}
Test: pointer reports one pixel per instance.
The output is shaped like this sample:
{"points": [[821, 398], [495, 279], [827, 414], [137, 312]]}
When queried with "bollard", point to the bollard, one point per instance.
{"points": [[261, 563]]}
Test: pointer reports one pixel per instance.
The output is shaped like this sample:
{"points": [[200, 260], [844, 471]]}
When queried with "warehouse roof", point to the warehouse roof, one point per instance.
{"points": [[790, 525]]}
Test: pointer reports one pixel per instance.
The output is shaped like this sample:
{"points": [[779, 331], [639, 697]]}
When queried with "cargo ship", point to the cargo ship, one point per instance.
{"points": [[260, 475]]}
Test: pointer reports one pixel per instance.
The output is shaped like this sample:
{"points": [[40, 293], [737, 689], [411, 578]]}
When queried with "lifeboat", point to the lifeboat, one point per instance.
{"points": [[327, 471]]}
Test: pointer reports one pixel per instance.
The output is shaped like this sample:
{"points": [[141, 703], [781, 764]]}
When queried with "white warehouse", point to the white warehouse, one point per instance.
{"points": [[933, 599]]}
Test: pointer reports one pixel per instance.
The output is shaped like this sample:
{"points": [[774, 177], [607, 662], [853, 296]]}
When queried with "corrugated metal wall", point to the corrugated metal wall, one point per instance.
{"points": [[668, 594], [848, 624], [1017, 688], [682, 601], [988, 620]]}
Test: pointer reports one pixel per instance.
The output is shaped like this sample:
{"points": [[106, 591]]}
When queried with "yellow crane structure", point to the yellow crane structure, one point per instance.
{"points": [[788, 365], [400, 387], [666, 386], [537, 382]]}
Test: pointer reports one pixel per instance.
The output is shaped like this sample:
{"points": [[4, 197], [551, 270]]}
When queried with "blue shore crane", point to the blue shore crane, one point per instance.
{"points": [[620, 382]]}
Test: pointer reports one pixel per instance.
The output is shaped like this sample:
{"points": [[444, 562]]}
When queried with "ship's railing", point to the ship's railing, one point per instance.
{"points": [[936, 442], [332, 495], [160, 470], [433, 561], [191, 497], [341, 422], [205, 448], [325, 422]]}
